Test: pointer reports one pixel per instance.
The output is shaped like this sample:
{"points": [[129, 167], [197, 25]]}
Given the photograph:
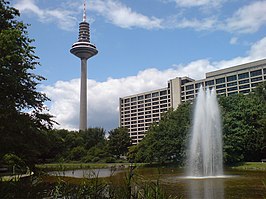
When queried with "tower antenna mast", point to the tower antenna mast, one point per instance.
{"points": [[84, 11], [84, 50]]}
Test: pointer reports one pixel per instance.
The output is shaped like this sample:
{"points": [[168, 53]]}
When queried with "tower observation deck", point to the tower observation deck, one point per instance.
{"points": [[84, 50]]}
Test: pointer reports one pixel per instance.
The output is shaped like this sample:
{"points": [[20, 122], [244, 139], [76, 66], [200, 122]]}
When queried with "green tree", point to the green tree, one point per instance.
{"points": [[119, 141], [167, 141], [243, 127], [21, 105], [93, 137]]}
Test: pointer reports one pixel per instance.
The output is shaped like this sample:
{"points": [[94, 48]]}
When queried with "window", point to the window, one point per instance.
{"points": [[254, 84], [244, 81], [243, 75], [197, 85], [184, 81], [163, 97], [140, 97], [155, 103], [232, 84], [220, 80], [155, 107], [264, 70], [164, 105], [164, 109], [163, 93], [221, 91], [220, 86], [163, 101], [155, 94], [133, 99], [256, 79], [147, 96], [189, 87], [127, 100], [208, 83], [190, 97], [189, 92], [232, 89], [255, 73], [244, 86], [231, 78], [155, 99]]}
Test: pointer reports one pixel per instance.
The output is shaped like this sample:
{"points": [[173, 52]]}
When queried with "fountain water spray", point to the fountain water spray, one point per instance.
{"points": [[205, 154]]}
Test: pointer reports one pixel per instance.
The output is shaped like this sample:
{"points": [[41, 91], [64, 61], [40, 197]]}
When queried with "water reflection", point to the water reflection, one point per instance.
{"points": [[206, 188], [86, 173]]}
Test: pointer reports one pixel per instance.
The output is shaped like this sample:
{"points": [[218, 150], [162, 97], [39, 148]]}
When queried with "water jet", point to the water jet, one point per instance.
{"points": [[205, 158]]}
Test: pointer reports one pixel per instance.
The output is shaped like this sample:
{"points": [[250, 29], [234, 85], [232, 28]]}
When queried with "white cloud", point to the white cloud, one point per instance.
{"points": [[103, 97], [203, 24], [233, 40], [247, 19], [63, 18], [123, 16], [197, 3], [114, 11]]}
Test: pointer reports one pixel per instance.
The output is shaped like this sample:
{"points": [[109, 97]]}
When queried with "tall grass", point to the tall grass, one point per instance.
{"points": [[132, 186]]}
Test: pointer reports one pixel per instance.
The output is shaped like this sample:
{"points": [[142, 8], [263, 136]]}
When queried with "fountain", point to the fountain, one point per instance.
{"points": [[205, 158]]}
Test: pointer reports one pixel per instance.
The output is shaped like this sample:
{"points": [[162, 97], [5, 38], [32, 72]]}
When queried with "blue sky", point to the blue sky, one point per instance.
{"points": [[141, 44]]}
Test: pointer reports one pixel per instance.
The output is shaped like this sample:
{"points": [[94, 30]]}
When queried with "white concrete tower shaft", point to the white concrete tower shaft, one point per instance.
{"points": [[84, 50]]}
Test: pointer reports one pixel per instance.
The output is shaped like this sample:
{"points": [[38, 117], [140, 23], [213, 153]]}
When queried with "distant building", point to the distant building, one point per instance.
{"points": [[139, 111]]}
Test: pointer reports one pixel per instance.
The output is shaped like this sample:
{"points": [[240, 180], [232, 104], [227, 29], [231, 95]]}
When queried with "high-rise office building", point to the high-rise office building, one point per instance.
{"points": [[139, 111], [84, 50]]}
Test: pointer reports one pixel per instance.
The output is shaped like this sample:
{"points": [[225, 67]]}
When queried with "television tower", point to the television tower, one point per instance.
{"points": [[84, 50]]}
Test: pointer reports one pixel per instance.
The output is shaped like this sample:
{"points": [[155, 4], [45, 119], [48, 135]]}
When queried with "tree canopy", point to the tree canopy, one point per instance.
{"points": [[244, 131], [22, 117]]}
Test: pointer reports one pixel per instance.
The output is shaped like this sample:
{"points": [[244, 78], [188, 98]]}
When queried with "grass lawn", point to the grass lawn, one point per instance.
{"points": [[251, 166], [70, 166]]}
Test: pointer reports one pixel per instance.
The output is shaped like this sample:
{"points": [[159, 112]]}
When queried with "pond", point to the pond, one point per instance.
{"points": [[87, 173], [234, 184]]}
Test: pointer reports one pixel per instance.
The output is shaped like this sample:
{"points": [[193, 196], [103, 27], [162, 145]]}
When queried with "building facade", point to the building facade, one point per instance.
{"points": [[139, 111]]}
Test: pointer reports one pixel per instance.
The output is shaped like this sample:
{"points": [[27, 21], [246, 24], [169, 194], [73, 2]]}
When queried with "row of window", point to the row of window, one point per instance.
{"points": [[147, 106], [140, 111], [256, 79], [147, 96], [228, 79], [161, 99]]}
